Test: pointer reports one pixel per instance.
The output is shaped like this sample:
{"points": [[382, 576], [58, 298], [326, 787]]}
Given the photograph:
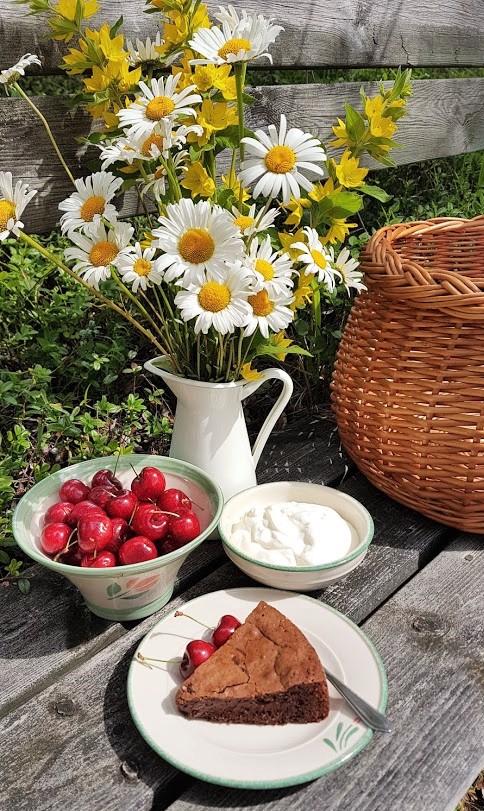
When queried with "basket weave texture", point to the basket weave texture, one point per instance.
{"points": [[408, 386]]}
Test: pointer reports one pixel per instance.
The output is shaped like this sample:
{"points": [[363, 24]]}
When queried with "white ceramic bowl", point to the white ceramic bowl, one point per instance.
{"points": [[122, 592], [300, 578]]}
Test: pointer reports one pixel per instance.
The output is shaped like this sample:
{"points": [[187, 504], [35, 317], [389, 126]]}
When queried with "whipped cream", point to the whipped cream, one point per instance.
{"points": [[293, 534]]}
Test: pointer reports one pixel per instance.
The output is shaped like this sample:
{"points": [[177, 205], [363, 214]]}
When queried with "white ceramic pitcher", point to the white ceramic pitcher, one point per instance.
{"points": [[210, 429]]}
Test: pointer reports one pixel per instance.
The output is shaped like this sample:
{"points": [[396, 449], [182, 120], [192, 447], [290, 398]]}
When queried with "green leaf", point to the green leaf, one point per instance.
{"points": [[113, 589], [274, 351], [301, 326], [355, 124], [338, 206], [115, 28], [339, 730], [330, 744], [24, 585], [376, 192], [4, 558]]}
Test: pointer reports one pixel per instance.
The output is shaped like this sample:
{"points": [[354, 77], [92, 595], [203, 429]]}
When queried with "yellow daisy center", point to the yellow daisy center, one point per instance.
{"points": [[233, 46], [280, 159], [159, 173], [159, 108], [7, 212], [318, 259], [93, 205], [103, 253], [261, 304], [142, 267], [214, 297], [196, 246], [265, 268], [157, 140], [244, 222]]}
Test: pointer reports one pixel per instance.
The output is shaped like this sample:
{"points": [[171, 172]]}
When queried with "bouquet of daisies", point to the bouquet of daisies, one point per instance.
{"points": [[240, 229]]}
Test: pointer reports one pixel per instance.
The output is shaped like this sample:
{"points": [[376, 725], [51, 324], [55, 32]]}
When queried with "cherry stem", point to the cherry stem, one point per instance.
{"points": [[182, 614], [133, 469], [142, 658], [198, 505], [67, 546]]}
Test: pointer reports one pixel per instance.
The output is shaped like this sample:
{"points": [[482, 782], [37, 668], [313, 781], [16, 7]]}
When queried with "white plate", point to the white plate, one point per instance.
{"points": [[243, 755]]}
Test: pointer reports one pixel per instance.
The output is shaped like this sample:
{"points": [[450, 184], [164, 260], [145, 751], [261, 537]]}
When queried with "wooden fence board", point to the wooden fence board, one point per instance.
{"points": [[317, 32], [431, 639], [446, 118]]}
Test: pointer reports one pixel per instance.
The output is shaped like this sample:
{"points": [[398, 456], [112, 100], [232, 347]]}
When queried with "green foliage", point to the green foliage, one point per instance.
{"points": [[71, 382]]}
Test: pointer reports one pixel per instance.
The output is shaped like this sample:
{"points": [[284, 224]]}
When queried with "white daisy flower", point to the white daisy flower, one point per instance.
{"points": [[346, 266], [13, 200], [279, 157], [98, 249], [219, 304], [197, 238], [156, 103], [145, 51], [120, 150], [12, 74], [239, 40], [317, 258], [155, 182], [91, 201], [270, 311], [139, 268], [273, 271], [254, 222]]}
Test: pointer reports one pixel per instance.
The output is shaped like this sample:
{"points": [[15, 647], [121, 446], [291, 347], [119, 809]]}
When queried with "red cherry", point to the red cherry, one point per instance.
{"points": [[196, 653], [121, 533], [172, 500], [151, 522], [80, 509], [105, 560], [72, 557], [185, 528], [87, 560], [73, 490], [224, 630], [105, 478], [58, 513], [149, 484], [137, 550], [103, 494], [169, 544], [54, 538], [122, 505], [94, 533]]}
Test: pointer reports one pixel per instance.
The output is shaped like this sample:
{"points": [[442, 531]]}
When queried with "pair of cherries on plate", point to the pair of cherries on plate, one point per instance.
{"points": [[199, 650], [102, 525]]}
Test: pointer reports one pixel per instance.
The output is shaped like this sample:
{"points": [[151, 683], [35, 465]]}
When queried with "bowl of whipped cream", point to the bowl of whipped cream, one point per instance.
{"points": [[295, 535]]}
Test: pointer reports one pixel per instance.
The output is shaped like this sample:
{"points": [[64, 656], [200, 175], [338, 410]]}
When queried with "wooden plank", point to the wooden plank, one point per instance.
{"points": [[446, 118], [51, 631], [431, 638], [67, 754], [349, 33]]}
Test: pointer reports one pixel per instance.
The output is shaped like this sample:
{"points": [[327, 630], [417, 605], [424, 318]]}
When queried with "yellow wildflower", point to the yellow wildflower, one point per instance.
{"points": [[296, 207], [303, 293], [337, 232], [179, 25], [198, 181], [374, 107], [146, 240], [213, 117], [382, 127], [231, 181], [207, 77], [115, 74], [287, 240], [279, 339], [76, 61], [349, 172], [68, 8], [342, 136], [321, 190], [248, 373]]}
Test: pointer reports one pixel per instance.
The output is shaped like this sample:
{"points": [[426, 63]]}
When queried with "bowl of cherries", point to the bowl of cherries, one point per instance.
{"points": [[119, 528]]}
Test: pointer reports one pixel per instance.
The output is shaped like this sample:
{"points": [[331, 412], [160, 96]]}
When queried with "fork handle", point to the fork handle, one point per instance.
{"points": [[368, 714]]}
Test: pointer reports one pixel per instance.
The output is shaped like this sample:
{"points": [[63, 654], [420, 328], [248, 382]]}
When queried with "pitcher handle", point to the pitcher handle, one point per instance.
{"points": [[277, 409]]}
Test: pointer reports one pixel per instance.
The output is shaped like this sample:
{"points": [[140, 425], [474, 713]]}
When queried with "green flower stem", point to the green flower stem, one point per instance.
{"points": [[211, 164], [47, 128], [175, 186], [135, 301], [48, 255], [240, 69]]}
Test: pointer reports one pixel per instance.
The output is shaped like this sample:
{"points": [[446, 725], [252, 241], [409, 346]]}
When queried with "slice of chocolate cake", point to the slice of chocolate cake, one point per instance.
{"points": [[267, 673]]}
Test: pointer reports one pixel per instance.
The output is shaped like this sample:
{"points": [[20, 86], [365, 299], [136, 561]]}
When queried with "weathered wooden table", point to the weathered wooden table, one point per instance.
{"points": [[67, 739]]}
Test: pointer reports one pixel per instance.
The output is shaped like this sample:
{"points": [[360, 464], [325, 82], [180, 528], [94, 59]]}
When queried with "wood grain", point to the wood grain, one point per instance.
{"points": [[63, 751], [349, 33], [446, 118], [430, 636], [41, 640]]}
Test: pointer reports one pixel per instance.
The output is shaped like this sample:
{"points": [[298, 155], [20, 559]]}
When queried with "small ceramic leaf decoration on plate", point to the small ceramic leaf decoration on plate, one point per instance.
{"points": [[245, 755]]}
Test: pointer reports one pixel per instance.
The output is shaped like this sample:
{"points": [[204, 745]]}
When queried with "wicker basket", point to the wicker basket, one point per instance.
{"points": [[408, 387]]}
